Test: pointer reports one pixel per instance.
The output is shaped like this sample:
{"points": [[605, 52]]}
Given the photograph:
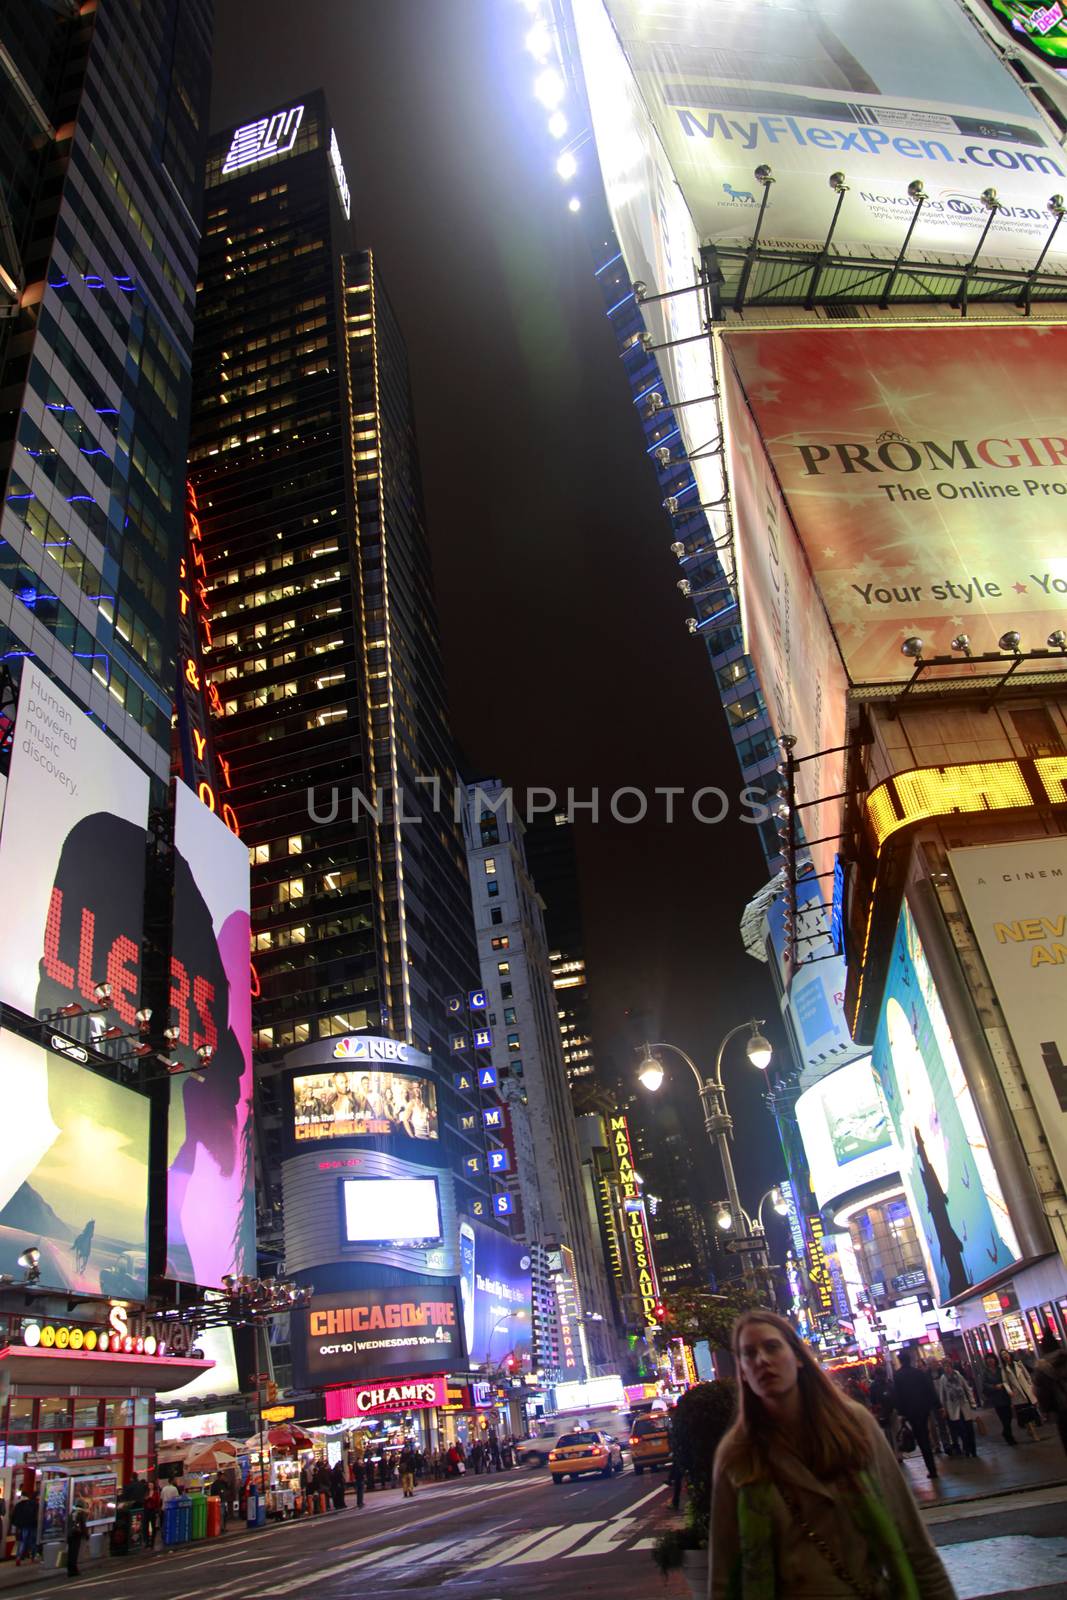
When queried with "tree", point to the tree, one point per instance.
{"points": [[695, 1314]]}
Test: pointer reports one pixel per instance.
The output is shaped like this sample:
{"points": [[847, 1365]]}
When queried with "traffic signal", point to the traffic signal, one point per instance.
{"points": [[272, 1392], [659, 1311]]}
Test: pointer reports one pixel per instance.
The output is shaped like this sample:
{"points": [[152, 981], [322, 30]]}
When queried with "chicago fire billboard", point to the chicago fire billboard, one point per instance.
{"points": [[72, 861], [210, 1164], [925, 470], [885, 94], [369, 1334]]}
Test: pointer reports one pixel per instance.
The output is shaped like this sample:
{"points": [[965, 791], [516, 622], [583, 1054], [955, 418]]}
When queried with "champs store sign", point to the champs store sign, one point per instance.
{"points": [[636, 1221], [368, 1334]]}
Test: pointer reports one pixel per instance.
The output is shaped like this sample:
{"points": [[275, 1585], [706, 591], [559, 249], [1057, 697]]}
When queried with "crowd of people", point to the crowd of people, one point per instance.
{"points": [[808, 1495]]}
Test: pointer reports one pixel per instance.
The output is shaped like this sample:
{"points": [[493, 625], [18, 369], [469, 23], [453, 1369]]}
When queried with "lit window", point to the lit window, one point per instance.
{"points": [[513, 1042], [503, 967], [501, 943], [490, 866]]}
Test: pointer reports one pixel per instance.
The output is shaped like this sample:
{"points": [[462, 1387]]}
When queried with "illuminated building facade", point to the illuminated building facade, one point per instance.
{"points": [[105, 108], [553, 863], [526, 1048], [324, 648]]}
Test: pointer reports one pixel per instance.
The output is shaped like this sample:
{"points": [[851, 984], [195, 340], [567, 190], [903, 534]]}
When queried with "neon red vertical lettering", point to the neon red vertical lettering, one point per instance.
{"points": [[179, 998], [124, 976], [86, 980], [57, 970], [203, 995]]}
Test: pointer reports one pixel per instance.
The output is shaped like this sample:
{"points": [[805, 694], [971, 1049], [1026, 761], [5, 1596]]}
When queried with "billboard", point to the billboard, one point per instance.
{"points": [[952, 1187], [1016, 898], [211, 1224], [926, 473], [390, 1211], [362, 1105], [883, 94], [357, 1335], [659, 243], [787, 632], [845, 1129], [73, 1173], [495, 1294], [218, 1346], [72, 858], [1040, 25]]}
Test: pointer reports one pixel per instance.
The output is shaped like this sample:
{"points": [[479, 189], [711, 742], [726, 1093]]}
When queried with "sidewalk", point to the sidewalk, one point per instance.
{"points": [[12, 1577], [998, 1470]]}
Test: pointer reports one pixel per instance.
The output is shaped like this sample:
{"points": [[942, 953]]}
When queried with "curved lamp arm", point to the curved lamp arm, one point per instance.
{"points": [[662, 1044]]}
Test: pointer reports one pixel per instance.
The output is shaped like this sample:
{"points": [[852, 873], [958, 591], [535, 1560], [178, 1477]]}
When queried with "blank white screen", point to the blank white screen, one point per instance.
{"points": [[391, 1208]]}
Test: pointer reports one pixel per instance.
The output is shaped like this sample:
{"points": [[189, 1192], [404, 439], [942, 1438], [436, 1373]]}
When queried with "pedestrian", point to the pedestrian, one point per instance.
{"points": [[407, 1471], [323, 1484], [881, 1400], [1050, 1383], [359, 1477], [153, 1505], [24, 1520], [338, 1486], [915, 1397], [995, 1393], [455, 1460], [221, 1490], [958, 1404], [1023, 1395], [77, 1530], [940, 1433], [806, 1495]]}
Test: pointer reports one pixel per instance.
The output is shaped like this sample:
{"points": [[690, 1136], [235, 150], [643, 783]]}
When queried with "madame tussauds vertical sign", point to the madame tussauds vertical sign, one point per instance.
{"points": [[636, 1221]]}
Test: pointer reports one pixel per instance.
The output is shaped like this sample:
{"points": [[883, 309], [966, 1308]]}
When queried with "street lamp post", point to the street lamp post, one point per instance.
{"points": [[718, 1123]]}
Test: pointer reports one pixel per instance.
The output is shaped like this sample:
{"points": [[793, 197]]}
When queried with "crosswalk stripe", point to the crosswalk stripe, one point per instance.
{"points": [[508, 1552], [561, 1539], [313, 1575]]}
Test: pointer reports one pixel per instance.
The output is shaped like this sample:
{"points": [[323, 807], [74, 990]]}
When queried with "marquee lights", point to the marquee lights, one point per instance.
{"points": [[263, 140]]}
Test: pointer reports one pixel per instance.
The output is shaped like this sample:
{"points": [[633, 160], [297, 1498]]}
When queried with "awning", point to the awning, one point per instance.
{"points": [[115, 1369], [987, 1285]]}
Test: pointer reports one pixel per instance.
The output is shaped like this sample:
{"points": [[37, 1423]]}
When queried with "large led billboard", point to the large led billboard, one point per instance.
{"points": [[925, 470], [787, 632], [72, 860], [363, 1104], [1016, 898], [952, 1186], [495, 1294], [845, 1128], [391, 1211], [73, 1173], [883, 94], [362, 1334], [211, 1224]]}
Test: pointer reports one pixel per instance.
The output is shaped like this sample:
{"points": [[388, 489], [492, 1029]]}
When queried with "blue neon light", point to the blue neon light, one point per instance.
{"points": [[607, 264], [612, 309], [673, 433]]}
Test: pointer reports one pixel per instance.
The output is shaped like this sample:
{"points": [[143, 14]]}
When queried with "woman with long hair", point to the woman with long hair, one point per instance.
{"points": [[807, 1498]]}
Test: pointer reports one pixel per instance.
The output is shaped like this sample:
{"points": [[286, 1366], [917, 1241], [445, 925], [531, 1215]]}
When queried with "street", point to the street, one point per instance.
{"points": [[517, 1535]]}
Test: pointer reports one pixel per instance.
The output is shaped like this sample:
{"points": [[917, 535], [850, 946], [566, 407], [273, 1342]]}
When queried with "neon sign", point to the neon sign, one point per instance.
{"points": [[263, 140], [339, 176], [636, 1221], [196, 758]]}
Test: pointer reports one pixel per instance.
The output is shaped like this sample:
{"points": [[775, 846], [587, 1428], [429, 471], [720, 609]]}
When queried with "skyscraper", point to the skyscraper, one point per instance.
{"points": [[553, 862], [324, 650], [101, 148]]}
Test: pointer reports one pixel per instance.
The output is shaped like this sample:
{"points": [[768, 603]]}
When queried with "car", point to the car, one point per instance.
{"points": [[534, 1451], [589, 1451], [650, 1441]]}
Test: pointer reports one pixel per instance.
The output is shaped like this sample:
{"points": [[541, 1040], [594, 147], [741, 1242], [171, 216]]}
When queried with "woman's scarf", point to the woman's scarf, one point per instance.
{"points": [[755, 1575]]}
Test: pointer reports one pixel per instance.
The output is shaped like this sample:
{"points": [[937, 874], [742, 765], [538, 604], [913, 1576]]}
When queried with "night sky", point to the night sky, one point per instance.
{"points": [[566, 651]]}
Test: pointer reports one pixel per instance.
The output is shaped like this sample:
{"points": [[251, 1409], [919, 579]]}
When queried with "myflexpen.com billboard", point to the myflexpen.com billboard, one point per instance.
{"points": [[925, 471], [884, 94]]}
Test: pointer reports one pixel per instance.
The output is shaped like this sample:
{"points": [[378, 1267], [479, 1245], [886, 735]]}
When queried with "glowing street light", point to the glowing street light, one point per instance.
{"points": [[566, 166], [549, 88], [574, 204], [557, 125]]}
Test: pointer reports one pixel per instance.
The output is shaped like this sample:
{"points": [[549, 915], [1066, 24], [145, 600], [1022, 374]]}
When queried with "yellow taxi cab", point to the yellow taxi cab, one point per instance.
{"points": [[588, 1451], [650, 1441]]}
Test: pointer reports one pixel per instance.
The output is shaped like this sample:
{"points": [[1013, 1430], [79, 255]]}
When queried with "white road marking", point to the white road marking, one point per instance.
{"points": [[1019, 1561], [510, 1550], [308, 1578], [559, 1539], [993, 1505]]}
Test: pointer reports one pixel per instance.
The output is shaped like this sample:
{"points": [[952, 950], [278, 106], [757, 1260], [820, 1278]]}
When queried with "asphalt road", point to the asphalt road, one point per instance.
{"points": [[508, 1534], [515, 1535]]}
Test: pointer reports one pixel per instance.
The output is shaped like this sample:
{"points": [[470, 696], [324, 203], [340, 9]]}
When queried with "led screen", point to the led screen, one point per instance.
{"points": [[845, 1128], [73, 1173], [952, 1186], [379, 1210], [217, 1346], [72, 860], [358, 1105], [211, 1225]]}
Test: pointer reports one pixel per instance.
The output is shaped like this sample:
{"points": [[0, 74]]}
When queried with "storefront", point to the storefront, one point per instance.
{"points": [[1014, 1311], [77, 1419]]}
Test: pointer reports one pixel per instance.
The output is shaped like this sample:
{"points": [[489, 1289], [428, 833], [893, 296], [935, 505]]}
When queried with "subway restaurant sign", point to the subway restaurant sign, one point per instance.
{"points": [[636, 1221]]}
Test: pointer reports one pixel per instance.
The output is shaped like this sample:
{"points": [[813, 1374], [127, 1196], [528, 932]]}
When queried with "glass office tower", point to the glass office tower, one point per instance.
{"points": [[102, 134], [325, 654]]}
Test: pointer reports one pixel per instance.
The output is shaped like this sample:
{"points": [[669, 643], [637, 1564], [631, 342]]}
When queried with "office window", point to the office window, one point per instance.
{"points": [[503, 967], [501, 942], [505, 990], [496, 915], [509, 1014], [514, 1043], [492, 887], [490, 866]]}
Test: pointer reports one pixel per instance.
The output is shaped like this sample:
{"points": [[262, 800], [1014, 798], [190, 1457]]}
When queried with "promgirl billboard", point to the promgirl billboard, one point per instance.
{"points": [[925, 471]]}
